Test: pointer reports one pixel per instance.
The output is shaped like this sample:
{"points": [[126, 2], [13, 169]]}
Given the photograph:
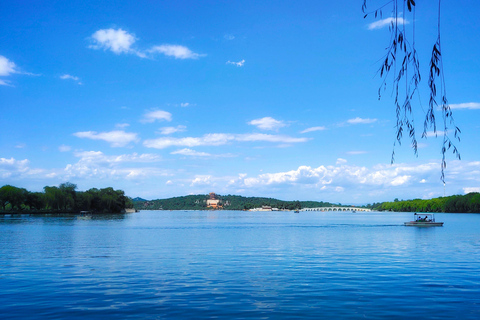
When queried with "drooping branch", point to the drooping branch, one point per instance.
{"points": [[401, 66]]}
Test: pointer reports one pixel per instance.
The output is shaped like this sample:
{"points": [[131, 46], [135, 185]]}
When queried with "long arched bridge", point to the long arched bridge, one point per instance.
{"points": [[336, 209]]}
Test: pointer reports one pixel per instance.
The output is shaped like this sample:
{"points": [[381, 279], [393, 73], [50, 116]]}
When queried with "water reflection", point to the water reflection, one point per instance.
{"points": [[237, 265]]}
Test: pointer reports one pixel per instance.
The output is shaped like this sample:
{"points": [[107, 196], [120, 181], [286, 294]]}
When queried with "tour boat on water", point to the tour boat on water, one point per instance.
{"points": [[424, 220]]}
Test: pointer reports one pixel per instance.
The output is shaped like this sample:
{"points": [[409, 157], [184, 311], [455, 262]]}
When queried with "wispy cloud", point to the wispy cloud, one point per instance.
{"points": [[228, 36], [122, 125], [252, 137], [176, 51], [70, 77], [312, 129], [267, 123], [468, 105], [431, 134], [155, 115], [356, 152], [64, 148], [212, 139], [192, 153], [386, 22], [8, 68], [218, 139], [358, 120], [116, 138], [120, 41], [238, 64], [170, 130]]}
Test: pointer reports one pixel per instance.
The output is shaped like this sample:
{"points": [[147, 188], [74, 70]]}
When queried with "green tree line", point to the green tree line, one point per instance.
{"points": [[228, 202], [63, 198], [469, 203]]}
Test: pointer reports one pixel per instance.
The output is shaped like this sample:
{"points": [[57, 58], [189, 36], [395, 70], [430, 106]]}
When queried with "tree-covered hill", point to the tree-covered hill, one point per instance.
{"points": [[469, 203], [228, 202]]}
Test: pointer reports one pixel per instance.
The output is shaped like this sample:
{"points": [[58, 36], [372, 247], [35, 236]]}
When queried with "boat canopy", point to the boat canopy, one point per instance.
{"points": [[424, 217]]}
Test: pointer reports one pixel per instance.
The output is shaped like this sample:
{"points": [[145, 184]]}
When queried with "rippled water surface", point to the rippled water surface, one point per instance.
{"points": [[162, 264]]}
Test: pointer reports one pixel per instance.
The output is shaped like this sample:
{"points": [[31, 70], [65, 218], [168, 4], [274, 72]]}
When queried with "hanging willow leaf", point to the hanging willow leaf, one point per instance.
{"points": [[401, 49]]}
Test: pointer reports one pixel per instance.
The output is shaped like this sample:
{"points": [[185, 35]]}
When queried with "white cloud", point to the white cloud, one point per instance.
{"points": [[212, 139], [100, 157], [185, 104], [238, 64], [170, 130], [471, 189], [386, 22], [217, 139], [431, 134], [267, 123], [11, 166], [7, 67], [193, 153], [356, 152], [358, 120], [468, 105], [176, 51], [67, 76], [116, 138], [160, 115], [95, 164], [122, 125], [202, 181], [64, 148], [229, 36], [312, 129], [190, 152], [269, 138], [341, 161], [118, 41], [70, 77], [343, 176]]}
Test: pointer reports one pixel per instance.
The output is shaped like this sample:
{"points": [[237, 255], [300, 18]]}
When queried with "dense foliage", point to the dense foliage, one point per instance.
{"points": [[229, 202], [63, 198], [469, 203]]}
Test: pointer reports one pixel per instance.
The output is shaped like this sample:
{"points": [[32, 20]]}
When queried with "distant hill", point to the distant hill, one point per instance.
{"points": [[229, 202], [139, 199]]}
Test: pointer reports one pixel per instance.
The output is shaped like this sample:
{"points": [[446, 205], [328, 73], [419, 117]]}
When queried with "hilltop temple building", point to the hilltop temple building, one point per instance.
{"points": [[213, 202]]}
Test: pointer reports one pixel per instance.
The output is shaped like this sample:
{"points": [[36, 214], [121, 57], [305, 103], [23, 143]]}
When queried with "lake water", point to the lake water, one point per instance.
{"points": [[226, 264]]}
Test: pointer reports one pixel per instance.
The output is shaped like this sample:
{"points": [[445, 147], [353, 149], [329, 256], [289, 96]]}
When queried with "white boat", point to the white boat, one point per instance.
{"points": [[423, 220]]}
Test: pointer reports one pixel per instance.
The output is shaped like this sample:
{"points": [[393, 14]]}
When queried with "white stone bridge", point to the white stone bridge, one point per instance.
{"points": [[336, 209]]}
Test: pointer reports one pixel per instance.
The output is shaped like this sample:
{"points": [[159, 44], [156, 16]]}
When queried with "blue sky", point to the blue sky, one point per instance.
{"points": [[255, 98]]}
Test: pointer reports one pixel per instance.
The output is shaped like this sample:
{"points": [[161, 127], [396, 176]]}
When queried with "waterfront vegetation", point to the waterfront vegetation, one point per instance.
{"points": [[469, 203], [228, 202], [64, 199]]}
